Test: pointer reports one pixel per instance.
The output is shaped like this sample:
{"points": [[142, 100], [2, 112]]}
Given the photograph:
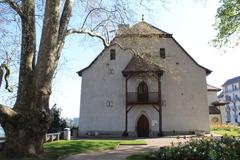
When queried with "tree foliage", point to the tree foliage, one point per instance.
{"points": [[227, 24], [58, 123]]}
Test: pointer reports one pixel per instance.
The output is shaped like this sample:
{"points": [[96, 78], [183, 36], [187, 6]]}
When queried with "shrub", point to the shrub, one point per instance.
{"points": [[224, 148], [224, 127]]}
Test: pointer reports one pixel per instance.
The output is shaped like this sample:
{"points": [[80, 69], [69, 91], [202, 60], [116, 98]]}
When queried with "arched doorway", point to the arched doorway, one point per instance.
{"points": [[143, 126], [142, 92]]}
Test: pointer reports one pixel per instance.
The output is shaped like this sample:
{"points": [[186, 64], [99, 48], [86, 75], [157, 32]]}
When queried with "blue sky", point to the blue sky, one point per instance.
{"points": [[189, 21]]}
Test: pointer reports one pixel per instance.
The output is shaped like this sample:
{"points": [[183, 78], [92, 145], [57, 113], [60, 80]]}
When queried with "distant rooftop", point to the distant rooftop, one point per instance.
{"points": [[214, 110], [212, 88], [231, 81]]}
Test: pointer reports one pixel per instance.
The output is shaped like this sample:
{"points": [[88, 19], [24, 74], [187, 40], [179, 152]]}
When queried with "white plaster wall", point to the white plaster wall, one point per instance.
{"points": [[183, 84], [151, 82], [212, 97], [212, 116], [98, 87], [183, 90], [149, 112]]}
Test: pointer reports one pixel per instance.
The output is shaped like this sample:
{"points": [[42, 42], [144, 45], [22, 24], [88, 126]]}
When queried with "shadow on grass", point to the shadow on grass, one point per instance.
{"points": [[54, 150], [140, 156]]}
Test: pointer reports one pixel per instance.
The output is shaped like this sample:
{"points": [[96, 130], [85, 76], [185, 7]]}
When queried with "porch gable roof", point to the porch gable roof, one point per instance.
{"points": [[137, 65]]}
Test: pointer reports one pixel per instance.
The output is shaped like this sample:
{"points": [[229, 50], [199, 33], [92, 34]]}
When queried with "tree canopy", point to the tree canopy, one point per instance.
{"points": [[227, 24], [58, 123]]}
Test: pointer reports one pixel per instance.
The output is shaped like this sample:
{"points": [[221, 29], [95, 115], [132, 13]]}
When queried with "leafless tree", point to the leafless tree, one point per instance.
{"points": [[26, 122]]}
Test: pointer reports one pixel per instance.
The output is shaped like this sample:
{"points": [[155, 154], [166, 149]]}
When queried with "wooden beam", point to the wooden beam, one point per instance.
{"points": [[160, 106], [125, 133], [129, 108], [157, 108]]}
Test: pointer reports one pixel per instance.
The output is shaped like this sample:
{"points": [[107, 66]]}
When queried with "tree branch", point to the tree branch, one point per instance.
{"points": [[6, 77], [90, 33], [64, 20], [1, 75], [14, 6], [6, 112]]}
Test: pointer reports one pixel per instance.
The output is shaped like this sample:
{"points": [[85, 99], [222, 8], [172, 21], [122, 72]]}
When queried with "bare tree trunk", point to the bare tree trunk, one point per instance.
{"points": [[24, 133], [26, 124]]}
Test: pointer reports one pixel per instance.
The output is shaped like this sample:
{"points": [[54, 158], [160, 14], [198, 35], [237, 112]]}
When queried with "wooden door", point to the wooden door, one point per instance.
{"points": [[143, 127]]}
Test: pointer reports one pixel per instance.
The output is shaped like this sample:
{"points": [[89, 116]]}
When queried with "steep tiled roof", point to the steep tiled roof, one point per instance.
{"points": [[231, 81], [212, 88], [143, 28], [138, 64]]}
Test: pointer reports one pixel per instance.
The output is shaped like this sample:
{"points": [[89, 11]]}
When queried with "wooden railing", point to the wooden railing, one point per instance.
{"points": [[52, 136], [149, 98], [49, 137]]}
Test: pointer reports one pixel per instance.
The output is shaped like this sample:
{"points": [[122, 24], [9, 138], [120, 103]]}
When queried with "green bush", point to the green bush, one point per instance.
{"points": [[224, 148], [228, 127]]}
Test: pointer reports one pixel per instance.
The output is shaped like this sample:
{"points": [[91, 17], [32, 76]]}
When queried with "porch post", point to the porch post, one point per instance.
{"points": [[160, 105], [125, 133]]}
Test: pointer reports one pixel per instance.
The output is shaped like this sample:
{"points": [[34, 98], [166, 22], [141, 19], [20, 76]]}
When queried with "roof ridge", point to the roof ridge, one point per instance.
{"points": [[151, 26], [231, 80]]}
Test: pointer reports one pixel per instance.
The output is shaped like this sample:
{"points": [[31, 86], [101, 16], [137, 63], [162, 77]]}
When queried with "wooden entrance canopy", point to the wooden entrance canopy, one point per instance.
{"points": [[139, 66]]}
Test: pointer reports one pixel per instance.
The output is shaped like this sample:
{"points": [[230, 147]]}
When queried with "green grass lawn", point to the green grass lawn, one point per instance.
{"points": [[54, 150]]}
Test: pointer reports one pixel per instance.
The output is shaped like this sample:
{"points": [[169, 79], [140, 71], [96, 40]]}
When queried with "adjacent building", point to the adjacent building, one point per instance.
{"points": [[231, 94], [216, 107], [144, 84]]}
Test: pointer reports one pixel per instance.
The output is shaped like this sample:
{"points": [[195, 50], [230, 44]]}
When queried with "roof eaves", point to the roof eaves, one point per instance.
{"points": [[213, 88], [232, 80], [208, 71], [111, 44], [81, 71]]}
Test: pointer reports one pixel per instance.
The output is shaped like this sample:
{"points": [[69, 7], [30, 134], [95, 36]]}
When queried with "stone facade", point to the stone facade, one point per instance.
{"points": [[184, 103]]}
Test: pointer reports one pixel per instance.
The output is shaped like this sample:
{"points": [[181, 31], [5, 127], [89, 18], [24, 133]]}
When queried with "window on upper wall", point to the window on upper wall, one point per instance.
{"points": [[112, 54], [226, 89], [162, 53]]}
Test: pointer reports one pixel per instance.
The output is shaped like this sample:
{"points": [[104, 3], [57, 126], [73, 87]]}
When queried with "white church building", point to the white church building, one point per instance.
{"points": [[144, 84]]}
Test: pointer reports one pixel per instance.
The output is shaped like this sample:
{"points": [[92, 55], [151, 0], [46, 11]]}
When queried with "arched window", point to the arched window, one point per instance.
{"points": [[142, 92]]}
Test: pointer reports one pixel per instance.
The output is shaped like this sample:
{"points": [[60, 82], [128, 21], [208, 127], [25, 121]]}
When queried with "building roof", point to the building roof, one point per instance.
{"points": [[219, 103], [214, 110], [212, 88], [231, 81], [144, 28], [138, 64]]}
